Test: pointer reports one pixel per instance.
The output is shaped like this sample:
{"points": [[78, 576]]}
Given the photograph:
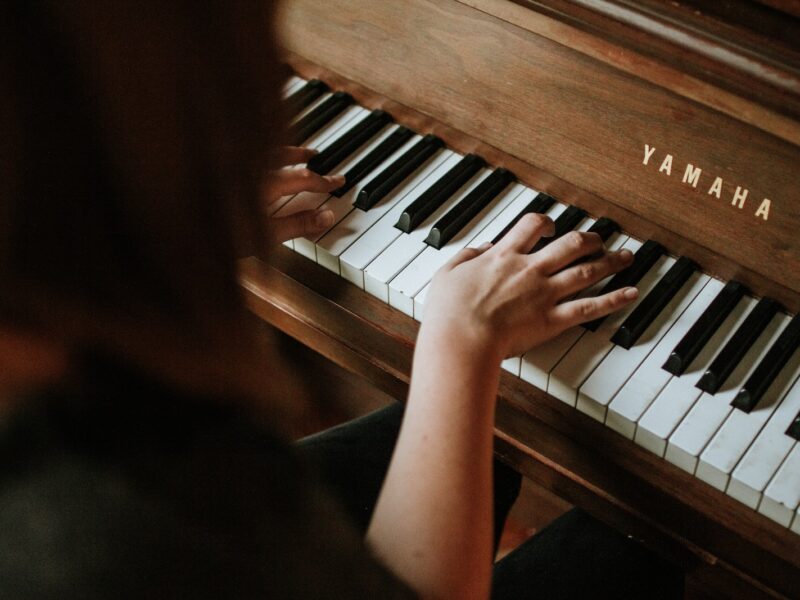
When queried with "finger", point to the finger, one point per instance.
{"points": [[528, 230], [570, 247], [583, 310], [464, 255], [308, 223], [295, 155], [285, 182], [581, 276]]}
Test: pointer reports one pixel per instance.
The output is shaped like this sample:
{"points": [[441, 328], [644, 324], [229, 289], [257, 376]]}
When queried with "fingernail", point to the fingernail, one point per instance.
{"points": [[324, 218], [337, 179], [485, 246], [631, 293], [626, 255]]}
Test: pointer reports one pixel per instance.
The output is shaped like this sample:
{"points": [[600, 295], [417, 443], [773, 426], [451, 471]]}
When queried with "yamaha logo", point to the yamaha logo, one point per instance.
{"points": [[713, 185]]}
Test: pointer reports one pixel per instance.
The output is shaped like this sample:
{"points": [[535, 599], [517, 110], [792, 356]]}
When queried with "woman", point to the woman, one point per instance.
{"points": [[139, 452]]}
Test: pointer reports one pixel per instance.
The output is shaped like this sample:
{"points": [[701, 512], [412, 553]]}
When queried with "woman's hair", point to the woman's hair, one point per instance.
{"points": [[133, 139]]}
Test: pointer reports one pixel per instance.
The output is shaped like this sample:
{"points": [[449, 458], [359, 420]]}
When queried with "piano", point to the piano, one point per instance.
{"points": [[670, 128]]}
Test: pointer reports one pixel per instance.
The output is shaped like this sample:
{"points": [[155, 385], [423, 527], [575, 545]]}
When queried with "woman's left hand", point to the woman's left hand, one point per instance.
{"points": [[288, 181]]}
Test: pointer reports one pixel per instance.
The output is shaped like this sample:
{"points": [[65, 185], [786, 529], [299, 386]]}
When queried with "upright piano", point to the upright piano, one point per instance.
{"points": [[672, 129]]}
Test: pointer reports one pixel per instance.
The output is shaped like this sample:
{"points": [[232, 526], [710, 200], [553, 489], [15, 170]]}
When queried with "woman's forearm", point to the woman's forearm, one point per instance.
{"points": [[432, 525]]}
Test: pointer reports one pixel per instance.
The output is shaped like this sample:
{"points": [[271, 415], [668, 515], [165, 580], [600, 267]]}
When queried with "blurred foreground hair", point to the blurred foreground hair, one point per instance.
{"points": [[134, 137]]}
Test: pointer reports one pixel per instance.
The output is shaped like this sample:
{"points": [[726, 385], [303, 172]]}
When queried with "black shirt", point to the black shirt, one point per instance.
{"points": [[125, 488]]}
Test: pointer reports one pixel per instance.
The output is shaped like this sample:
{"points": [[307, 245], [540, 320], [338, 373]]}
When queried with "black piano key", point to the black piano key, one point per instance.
{"points": [[769, 367], [738, 345], [388, 179], [564, 223], [347, 143], [303, 97], [604, 227], [379, 154], [698, 335], [794, 428], [652, 304], [539, 204], [645, 257], [315, 120], [436, 195], [451, 223]]}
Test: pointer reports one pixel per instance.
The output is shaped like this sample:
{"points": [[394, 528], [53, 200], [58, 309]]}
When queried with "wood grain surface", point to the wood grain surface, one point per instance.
{"points": [[737, 57], [577, 120]]}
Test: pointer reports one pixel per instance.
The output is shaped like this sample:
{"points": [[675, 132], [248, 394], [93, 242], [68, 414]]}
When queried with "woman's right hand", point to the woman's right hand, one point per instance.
{"points": [[506, 301], [432, 524]]}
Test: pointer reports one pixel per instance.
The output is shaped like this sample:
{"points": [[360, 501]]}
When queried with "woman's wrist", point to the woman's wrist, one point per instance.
{"points": [[472, 343], [461, 372]]}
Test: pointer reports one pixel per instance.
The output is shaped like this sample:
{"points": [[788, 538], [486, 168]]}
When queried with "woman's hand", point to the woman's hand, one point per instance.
{"points": [[507, 301], [285, 182], [432, 524]]}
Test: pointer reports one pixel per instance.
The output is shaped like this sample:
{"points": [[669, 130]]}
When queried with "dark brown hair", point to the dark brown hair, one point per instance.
{"points": [[132, 141]]}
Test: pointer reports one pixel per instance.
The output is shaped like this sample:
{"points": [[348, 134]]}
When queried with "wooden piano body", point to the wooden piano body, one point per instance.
{"points": [[682, 126]]}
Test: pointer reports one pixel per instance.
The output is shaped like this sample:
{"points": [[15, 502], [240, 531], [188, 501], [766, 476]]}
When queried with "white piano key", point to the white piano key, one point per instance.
{"points": [[319, 141], [710, 411], [311, 200], [735, 435], [611, 374], [782, 496], [417, 274], [335, 127], [508, 214], [293, 84], [580, 361], [383, 232], [486, 235], [647, 381], [669, 408], [341, 206], [537, 363], [323, 97], [796, 522], [513, 363], [411, 277], [407, 246], [765, 455], [336, 240]]}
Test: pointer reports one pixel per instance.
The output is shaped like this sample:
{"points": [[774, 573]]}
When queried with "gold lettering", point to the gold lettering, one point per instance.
{"points": [[691, 174], [666, 165], [763, 210], [648, 152], [716, 188], [739, 196]]}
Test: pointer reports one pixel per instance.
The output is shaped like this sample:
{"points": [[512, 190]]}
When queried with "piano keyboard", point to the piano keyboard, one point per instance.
{"points": [[695, 371]]}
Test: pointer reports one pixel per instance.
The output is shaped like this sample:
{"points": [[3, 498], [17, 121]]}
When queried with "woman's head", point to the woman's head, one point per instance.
{"points": [[134, 139]]}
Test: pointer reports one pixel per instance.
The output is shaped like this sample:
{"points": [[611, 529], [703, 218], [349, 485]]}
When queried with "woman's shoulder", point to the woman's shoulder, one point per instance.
{"points": [[126, 487]]}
